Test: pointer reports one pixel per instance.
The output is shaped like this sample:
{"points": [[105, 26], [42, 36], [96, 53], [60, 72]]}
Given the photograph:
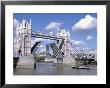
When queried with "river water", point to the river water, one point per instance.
{"points": [[51, 69]]}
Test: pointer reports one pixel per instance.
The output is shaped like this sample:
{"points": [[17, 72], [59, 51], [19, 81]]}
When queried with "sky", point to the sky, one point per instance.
{"points": [[82, 26]]}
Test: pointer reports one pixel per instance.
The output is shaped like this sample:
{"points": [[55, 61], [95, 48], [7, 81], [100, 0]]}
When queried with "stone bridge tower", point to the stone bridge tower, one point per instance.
{"points": [[23, 44], [68, 59], [23, 38]]}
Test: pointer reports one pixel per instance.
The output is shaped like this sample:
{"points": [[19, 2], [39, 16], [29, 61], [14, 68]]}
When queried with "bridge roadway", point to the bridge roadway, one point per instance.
{"points": [[39, 35]]}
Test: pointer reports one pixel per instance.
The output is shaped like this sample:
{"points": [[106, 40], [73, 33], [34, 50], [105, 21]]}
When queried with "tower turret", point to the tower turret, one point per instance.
{"points": [[68, 33], [30, 21]]}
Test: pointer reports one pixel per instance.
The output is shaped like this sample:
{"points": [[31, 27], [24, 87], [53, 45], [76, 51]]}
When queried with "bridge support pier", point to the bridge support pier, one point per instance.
{"points": [[69, 61], [26, 62]]}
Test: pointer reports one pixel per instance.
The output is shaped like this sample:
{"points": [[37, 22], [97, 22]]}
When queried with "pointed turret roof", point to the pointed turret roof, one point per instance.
{"points": [[63, 32], [68, 33]]}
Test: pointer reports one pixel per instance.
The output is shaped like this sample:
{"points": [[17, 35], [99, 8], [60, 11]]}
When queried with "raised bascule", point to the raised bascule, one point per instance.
{"points": [[26, 52]]}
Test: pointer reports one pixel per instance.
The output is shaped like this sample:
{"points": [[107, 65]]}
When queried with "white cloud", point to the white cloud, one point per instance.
{"points": [[85, 24], [51, 33], [15, 22], [77, 42], [89, 37], [53, 25]]}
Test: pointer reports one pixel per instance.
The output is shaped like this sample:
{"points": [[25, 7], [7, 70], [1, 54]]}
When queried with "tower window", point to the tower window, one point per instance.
{"points": [[25, 24]]}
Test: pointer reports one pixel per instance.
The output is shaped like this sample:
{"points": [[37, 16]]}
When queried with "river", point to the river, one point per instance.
{"points": [[51, 69]]}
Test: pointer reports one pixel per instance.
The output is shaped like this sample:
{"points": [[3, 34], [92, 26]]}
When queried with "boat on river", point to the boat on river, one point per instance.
{"points": [[81, 67]]}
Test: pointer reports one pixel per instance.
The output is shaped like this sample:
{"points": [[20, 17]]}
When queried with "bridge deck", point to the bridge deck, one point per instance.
{"points": [[38, 35]]}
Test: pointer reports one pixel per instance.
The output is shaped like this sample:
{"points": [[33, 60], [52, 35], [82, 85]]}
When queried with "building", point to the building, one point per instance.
{"points": [[68, 59], [23, 38], [23, 45]]}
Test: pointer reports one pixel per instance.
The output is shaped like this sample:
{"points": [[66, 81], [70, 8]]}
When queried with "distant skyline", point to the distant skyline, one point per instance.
{"points": [[82, 26]]}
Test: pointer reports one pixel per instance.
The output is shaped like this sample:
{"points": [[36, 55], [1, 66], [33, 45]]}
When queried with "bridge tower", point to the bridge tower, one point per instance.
{"points": [[66, 46], [23, 38], [68, 59], [23, 43]]}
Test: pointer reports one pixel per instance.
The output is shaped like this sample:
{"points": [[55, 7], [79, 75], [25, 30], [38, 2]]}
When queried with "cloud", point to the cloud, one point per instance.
{"points": [[53, 25], [51, 33], [15, 22], [85, 24], [89, 37], [77, 42]]}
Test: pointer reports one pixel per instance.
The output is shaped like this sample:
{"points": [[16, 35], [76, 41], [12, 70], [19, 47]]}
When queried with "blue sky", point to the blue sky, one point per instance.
{"points": [[82, 26]]}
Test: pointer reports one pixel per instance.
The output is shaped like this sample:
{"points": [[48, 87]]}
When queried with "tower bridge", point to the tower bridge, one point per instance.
{"points": [[23, 44], [56, 49], [61, 49]]}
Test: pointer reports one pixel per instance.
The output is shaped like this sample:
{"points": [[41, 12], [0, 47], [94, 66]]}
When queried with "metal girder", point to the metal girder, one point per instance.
{"points": [[38, 35], [35, 46]]}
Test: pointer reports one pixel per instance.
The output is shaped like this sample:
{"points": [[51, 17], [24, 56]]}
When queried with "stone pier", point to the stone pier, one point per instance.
{"points": [[26, 62], [69, 61]]}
